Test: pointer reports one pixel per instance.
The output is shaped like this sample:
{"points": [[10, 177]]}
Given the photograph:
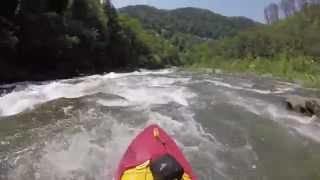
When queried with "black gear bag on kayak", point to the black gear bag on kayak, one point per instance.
{"points": [[166, 168]]}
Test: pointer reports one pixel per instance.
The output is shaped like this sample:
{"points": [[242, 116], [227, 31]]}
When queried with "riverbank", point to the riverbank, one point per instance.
{"points": [[302, 70]]}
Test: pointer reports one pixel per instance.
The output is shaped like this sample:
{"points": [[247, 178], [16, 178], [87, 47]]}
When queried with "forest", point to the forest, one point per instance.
{"points": [[287, 46], [186, 27], [50, 39]]}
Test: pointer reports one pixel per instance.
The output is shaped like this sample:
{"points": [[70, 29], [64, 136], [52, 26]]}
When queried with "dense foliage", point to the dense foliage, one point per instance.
{"points": [[186, 27], [49, 39], [289, 48], [297, 35]]}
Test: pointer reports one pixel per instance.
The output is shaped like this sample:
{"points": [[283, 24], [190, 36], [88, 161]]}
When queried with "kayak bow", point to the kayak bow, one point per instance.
{"points": [[149, 154]]}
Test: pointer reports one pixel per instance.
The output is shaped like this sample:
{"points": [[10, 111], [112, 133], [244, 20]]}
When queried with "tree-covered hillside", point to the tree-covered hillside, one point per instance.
{"points": [[288, 48], [199, 22], [49, 39]]}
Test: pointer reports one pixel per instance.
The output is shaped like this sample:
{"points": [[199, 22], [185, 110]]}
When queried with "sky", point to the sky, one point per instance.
{"points": [[249, 8]]}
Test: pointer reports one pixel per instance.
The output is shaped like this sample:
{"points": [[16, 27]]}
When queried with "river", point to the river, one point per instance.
{"points": [[230, 128]]}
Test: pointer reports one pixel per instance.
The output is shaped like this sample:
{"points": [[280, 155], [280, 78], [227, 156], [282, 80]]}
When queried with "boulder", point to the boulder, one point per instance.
{"points": [[296, 103], [303, 105], [313, 106]]}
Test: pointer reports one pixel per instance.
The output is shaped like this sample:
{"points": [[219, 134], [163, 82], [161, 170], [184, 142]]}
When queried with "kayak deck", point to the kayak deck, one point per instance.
{"points": [[152, 143]]}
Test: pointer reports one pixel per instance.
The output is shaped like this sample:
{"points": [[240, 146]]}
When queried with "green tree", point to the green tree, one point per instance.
{"points": [[91, 12]]}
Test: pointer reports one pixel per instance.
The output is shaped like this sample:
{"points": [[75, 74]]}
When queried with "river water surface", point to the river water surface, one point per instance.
{"points": [[230, 128]]}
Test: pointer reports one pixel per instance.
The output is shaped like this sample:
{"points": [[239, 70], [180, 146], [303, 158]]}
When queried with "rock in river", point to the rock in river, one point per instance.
{"points": [[303, 105]]}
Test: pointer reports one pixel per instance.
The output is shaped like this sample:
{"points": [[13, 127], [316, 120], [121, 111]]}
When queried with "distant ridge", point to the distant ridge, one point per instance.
{"points": [[199, 22]]}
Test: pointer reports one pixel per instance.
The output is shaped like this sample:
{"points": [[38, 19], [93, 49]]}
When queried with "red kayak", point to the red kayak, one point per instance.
{"points": [[154, 155]]}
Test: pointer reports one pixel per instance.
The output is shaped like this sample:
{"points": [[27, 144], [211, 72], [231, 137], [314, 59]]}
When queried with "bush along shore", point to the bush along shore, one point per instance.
{"points": [[302, 70]]}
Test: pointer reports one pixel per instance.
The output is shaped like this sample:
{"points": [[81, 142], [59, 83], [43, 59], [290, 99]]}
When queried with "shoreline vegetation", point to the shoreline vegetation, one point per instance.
{"points": [[300, 70], [287, 48]]}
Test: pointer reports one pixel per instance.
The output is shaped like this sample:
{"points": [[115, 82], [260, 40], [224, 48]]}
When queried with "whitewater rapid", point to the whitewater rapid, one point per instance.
{"points": [[79, 128]]}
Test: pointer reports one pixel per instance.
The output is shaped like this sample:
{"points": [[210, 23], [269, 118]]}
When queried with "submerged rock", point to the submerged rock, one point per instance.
{"points": [[304, 105], [297, 104]]}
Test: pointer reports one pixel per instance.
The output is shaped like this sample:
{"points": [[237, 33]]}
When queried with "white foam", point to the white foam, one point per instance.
{"points": [[248, 87], [115, 102], [311, 132], [157, 95], [67, 155], [303, 124], [142, 72], [19, 101], [192, 139], [76, 155]]}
